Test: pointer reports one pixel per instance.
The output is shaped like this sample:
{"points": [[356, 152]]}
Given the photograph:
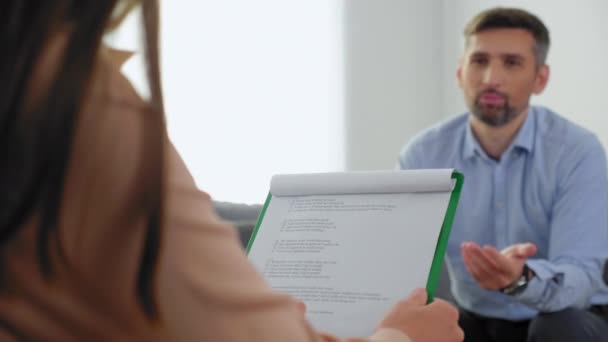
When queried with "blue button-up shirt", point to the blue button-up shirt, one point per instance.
{"points": [[549, 187]]}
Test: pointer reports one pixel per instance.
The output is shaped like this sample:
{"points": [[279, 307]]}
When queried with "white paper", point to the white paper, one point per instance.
{"points": [[349, 257], [362, 182]]}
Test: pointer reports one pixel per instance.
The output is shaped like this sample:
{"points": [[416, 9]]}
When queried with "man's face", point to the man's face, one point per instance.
{"points": [[498, 73]]}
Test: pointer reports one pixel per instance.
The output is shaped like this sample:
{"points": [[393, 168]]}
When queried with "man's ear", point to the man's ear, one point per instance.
{"points": [[459, 74], [542, 78]]}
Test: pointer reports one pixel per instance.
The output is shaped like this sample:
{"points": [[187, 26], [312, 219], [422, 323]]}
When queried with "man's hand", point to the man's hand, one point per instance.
{"points": [[494, 270]]}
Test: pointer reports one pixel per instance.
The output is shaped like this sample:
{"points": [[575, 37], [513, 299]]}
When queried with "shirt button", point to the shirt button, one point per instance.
{"points": [[500, 204]]}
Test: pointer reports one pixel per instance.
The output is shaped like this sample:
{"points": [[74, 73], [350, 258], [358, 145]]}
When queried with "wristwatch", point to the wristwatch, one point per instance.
{"points": [[519, 285]]}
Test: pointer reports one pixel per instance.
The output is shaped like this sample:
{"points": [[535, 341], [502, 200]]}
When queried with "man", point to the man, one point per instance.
{"points": [[531, 231]]}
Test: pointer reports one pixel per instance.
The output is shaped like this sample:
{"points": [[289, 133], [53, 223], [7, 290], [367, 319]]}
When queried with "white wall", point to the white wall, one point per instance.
{"points": [[252, 89], [578, 88], [393, 76]]}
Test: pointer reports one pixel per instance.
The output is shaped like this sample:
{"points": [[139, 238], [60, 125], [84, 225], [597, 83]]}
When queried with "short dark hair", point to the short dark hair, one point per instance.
{"points": [[502, 17]]}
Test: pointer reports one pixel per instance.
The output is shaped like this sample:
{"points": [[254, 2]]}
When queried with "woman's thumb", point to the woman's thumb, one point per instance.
{"points": [[417, 297]]}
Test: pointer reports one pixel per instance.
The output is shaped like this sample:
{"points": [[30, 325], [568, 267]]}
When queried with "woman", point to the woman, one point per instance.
{"points": [[103, 234]]}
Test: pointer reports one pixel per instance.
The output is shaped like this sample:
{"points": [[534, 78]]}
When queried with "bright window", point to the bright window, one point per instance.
{"points": [[252, 88]]}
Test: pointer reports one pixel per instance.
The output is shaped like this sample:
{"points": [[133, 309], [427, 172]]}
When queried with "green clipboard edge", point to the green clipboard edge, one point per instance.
{"points": [[442, 241], [258, 223], [444, 234]]}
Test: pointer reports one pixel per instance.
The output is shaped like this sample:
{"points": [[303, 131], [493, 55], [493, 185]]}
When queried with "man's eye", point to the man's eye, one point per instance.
{"points": [[479, 61], [512, 62]]}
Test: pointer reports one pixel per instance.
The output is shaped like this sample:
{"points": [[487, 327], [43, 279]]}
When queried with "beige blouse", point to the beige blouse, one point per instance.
{"points": [[207, 289]]}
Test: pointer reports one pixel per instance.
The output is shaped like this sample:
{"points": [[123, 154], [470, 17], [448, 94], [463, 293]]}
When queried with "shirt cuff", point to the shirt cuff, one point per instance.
{"points": [[389, 335], [536, 287]]}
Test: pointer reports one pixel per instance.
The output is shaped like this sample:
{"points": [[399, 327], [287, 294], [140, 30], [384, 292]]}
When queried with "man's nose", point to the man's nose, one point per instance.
{"points": [[493, 75]]}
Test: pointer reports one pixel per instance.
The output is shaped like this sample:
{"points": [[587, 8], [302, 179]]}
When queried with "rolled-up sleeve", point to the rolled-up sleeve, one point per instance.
{"points": [[579, 234]]}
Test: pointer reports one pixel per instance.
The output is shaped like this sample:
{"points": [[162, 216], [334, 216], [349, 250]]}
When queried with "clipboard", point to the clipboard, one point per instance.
{"points": [[440, 245]]}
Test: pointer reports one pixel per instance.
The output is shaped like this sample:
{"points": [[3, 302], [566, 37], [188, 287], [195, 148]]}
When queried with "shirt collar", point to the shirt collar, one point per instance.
{"points": [[471, 145], [523, 140], [525, 137]]}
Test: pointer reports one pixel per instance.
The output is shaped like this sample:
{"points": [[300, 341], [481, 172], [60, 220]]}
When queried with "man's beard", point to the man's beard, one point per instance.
{"points": [[495, 116]]}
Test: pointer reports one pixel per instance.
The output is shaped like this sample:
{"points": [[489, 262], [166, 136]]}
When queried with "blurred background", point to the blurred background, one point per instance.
{"points": [[259, 87]]}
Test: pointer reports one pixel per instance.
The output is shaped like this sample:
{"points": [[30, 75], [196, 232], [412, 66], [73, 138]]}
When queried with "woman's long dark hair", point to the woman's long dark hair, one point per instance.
{"points": [[36, 141]]}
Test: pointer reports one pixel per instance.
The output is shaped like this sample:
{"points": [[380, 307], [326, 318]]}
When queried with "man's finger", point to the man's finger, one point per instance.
{"points": [[520, 250], [484, 269], [480, 258], [525, 250], [501, 261]]}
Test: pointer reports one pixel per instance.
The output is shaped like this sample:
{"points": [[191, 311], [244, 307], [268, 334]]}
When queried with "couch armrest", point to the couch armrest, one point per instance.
{"points": [[242, 216]]}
